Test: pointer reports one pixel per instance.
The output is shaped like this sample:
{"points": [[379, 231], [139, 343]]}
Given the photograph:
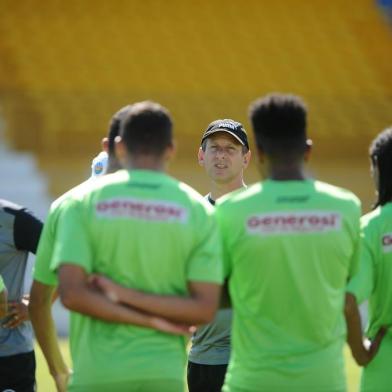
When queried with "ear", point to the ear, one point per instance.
{"points": [[105, 144], [308, 149], [120, 149], [170, 151], [200, 156], [246, 159]]}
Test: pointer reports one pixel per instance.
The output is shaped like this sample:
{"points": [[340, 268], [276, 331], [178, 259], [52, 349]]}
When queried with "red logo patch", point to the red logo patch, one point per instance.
{"points": [[154, 210], [387, 242], [294, 222]]}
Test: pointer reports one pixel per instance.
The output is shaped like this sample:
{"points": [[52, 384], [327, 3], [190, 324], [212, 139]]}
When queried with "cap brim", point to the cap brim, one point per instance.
{"points": [[222, 130]]}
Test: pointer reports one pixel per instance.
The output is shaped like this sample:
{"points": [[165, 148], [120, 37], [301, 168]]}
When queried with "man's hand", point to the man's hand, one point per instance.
{"points": [[61, 381], [370, 349], [198, 306], [112, 291], [166, 326], [17, 313], [362, 354], [106, 286]]}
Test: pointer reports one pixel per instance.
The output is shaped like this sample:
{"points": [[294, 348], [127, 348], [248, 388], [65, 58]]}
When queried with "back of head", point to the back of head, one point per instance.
{"points": [[381, 156], [114, 128], [279, 124], [147, 129]]}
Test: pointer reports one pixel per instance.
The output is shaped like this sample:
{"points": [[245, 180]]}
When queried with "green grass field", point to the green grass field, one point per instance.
{"points": [[45, 383]]}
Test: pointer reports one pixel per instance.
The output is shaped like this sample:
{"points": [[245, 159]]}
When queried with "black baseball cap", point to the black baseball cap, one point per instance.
{"points": [[234, 128]]}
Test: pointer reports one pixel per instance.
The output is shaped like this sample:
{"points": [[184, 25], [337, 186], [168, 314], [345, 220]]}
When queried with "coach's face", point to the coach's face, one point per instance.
{"points": [[223, 159]]}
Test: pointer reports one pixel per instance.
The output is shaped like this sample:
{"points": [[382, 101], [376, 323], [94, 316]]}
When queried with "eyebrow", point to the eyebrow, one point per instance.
{"points": [[229, 145]]}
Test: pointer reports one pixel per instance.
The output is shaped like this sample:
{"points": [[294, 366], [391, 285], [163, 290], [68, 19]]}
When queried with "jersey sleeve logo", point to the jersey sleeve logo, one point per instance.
{"points": [[148, 210], [301, 222], [98, 168], [387, 243]]}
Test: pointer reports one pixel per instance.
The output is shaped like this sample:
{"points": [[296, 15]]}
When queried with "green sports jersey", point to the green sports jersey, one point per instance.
{"points": [[42, 272], [373, 282], [145, 230], [2, 285], [289, 248]]}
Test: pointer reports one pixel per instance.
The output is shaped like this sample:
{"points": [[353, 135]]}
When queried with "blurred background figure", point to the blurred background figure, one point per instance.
{"points": [[20, 231]]}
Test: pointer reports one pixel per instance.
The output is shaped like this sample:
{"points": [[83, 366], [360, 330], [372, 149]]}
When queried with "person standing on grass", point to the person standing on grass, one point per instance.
{"points": [[373, 281], [290, 244], [224, 153], [135, 252]]}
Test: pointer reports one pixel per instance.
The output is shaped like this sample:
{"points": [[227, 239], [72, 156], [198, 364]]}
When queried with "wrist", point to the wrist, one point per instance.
{"points": [[361, 356], [152, 322], [59, 369], [128, 296]]}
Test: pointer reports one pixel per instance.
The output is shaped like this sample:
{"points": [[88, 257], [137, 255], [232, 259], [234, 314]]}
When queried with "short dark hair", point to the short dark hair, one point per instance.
{"points": [[147, 129], [279, 123], [114, 128], [380, 152]]}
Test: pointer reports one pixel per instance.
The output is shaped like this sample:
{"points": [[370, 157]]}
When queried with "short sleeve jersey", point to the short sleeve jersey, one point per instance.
{"points": [[289, 248], [42, 272], [374, 277], [145, 230]]}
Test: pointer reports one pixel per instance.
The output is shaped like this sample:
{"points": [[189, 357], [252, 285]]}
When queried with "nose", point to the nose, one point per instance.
{"points": [[220, 153]]}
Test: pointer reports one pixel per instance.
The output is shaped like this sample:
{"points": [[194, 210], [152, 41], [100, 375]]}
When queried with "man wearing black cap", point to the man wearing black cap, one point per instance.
{"points": [[224, 153]]}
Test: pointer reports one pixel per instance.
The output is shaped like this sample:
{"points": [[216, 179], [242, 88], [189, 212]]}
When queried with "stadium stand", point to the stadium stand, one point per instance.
{"points": [[65, 67]]}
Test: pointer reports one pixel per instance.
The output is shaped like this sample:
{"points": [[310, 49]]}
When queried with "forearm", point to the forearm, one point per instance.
{"points": [[354, 331], [186, 310], [46, 335], [91, 303], [78, 294], [44, 327]]}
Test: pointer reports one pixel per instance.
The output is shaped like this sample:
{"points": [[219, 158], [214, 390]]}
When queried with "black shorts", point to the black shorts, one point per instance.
{"points": [[205, 378], [17, 372]]}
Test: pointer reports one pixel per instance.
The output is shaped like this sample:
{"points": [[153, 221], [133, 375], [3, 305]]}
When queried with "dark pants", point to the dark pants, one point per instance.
{"points": [[17, 372], [205, 378]]}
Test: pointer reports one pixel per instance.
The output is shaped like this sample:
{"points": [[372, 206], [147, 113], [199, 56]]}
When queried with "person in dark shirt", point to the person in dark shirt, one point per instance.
{"points": [[224, 153]]}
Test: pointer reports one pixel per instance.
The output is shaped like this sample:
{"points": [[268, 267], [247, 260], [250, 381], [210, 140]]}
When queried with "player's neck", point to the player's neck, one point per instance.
{"points": [[218, 190], [279, 170], [113, 166], [287, 173], [145, 162]]}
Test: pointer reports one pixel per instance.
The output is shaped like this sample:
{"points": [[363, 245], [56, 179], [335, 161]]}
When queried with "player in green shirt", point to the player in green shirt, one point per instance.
{"points": [[290, 243], [373, 281], [157, 239], [3, 298]]}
